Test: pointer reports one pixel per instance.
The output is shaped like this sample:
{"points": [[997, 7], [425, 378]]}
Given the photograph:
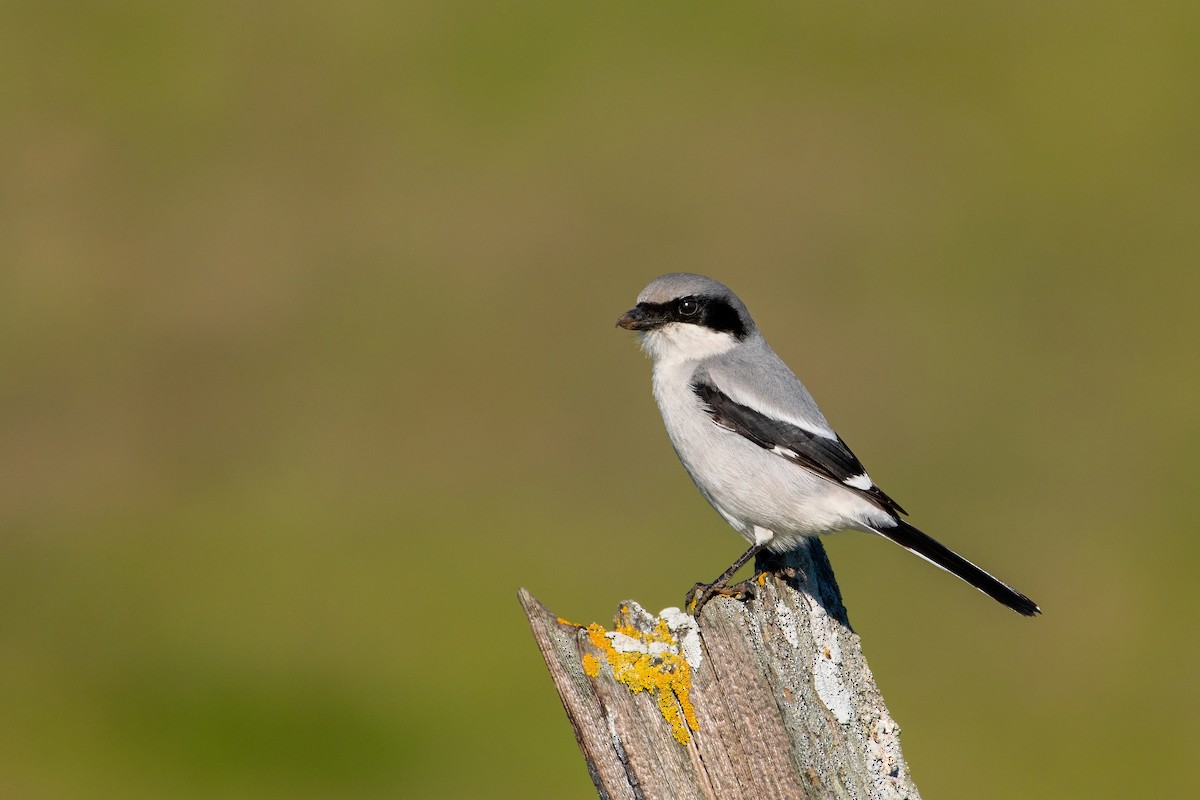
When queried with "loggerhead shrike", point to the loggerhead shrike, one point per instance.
{"points": [[754, 441]]}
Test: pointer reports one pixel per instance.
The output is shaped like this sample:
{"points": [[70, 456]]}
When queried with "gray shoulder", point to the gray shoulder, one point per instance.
{"points": [[753, 375]]}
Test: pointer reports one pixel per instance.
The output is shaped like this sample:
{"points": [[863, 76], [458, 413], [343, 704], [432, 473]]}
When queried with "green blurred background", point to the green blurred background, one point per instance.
{"points": [[308, 362]]}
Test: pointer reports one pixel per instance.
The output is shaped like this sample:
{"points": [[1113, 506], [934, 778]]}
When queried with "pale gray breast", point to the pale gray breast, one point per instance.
{"points": [[746, 484]]}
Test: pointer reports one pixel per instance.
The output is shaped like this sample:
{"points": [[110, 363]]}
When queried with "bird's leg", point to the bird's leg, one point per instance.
{"points": [[773, 563], [701, 593]]}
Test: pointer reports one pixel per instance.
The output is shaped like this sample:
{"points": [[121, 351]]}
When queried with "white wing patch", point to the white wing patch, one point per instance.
{"points": [[862, 481]]}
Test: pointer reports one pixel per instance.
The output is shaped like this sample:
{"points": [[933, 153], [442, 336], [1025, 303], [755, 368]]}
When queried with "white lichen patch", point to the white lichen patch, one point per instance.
{"points": [[683, 627], [787, 623], [623, 643], [827, 660], [687, 633], [883, 748]]}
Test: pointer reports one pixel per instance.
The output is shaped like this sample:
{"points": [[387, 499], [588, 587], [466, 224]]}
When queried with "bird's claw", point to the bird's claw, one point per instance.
{"points": [[699, 595]]}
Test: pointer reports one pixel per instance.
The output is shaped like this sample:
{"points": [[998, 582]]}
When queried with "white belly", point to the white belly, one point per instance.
{"points": [[748, 485]]}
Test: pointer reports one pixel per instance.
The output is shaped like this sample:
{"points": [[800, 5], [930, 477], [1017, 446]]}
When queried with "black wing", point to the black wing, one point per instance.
{"points": [[829, 458]]}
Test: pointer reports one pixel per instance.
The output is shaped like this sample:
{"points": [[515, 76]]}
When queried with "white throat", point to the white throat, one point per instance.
{"points": [[678, 341]]}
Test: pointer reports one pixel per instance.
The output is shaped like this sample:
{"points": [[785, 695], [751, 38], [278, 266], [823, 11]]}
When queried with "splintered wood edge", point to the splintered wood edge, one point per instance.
{"points": [[558, 641]]}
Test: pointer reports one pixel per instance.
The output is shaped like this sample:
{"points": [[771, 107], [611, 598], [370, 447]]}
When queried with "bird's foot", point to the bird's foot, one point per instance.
{"points": [[775, 564], [701, 593]]}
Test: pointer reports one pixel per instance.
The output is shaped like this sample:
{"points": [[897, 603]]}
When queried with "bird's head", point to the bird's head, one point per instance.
{"points": [[686, 317]]}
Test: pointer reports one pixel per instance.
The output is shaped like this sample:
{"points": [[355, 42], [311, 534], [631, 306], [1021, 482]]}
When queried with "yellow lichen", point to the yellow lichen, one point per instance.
{"points": [[591, 665], [666, 674]]}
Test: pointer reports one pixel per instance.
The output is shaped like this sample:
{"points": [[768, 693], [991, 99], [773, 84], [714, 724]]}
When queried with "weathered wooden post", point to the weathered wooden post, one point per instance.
{"points": [[766, 698]]}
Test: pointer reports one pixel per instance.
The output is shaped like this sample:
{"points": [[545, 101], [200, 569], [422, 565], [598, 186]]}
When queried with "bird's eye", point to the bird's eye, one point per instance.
{"points": [[688, 307]]}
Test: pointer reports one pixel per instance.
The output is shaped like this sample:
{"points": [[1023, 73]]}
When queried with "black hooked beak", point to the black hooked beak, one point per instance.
{"points": [[641, 318]]}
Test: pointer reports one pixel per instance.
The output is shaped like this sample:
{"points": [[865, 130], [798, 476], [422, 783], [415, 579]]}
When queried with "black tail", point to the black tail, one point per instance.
{"points": [[931, 550]]}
